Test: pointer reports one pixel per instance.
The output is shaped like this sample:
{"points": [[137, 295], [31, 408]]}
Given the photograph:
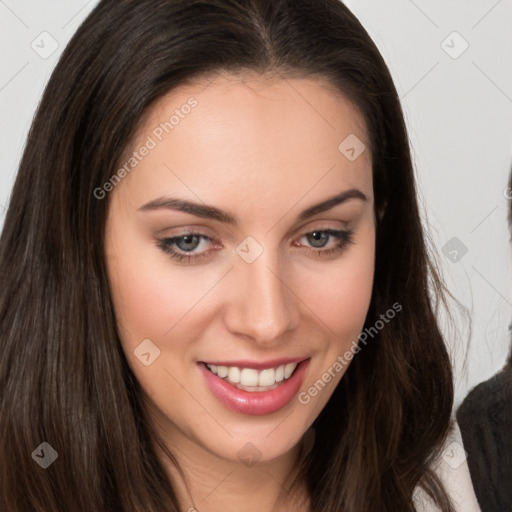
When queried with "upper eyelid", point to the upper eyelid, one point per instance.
{"points": [[202, 231]]}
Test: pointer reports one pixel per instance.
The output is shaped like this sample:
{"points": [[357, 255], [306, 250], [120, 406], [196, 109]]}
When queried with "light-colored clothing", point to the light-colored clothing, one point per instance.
{"points": [[452, 468]]}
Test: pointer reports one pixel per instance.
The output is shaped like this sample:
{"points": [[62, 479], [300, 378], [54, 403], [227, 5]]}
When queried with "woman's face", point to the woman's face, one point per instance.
{"points": [[240, 251]]}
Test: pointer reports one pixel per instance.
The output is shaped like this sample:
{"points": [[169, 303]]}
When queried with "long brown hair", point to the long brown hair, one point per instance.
{"points": [[63, 376]]}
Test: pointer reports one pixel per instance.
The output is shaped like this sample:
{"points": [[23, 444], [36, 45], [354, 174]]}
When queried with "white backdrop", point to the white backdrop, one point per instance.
{"points": [[451, 63]]}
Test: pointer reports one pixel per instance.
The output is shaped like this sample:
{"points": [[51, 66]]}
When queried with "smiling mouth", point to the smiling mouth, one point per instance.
{"points": [[255, 388], [250, 379]]}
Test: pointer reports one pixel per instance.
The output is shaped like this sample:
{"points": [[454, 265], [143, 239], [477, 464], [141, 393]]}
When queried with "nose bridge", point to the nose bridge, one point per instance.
{"points": [[262, 307]]}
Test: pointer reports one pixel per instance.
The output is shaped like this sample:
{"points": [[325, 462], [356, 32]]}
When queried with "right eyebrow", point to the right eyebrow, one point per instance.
{"points": [[199, 210]]}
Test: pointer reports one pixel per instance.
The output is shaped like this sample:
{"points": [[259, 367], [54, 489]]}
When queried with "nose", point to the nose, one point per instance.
{"points": [[262, 304]]}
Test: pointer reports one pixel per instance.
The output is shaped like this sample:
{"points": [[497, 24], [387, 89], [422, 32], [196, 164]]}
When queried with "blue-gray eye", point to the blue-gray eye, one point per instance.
{"points": [[318, 238], [187, 243]]}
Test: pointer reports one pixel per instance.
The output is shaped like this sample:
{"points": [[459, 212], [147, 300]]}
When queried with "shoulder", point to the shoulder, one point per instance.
{"points": [[487, 407], [490, 398], [485, 419], [452, 469]]}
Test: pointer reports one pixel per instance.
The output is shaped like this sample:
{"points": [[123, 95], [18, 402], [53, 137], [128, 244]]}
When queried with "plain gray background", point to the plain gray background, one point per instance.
{"points": [[451, 64]]}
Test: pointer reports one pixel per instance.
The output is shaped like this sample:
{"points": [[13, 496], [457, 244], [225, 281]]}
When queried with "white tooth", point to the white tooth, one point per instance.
{"points": [[222, 371], [213, 368], [234, 374], [267, 377], [280, 373], [288, 369], [249, 377]]}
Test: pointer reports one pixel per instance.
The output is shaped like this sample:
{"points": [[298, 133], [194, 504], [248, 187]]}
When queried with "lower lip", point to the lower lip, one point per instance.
{"points": [[255, 402]]}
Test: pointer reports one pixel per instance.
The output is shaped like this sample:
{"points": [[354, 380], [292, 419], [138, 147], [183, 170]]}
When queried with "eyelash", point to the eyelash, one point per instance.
{"points": [[344, 238]]}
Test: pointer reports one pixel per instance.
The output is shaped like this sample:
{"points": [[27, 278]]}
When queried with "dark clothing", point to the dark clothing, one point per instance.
{"points": [[485, 421]]}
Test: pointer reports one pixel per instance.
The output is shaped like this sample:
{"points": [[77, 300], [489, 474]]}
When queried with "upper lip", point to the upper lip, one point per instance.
{"points": [[258, 365]]}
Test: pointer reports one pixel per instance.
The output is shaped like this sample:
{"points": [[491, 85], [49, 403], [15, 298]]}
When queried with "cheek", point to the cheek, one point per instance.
{"points": [[150, 297], [152, 303], [340, 296]]}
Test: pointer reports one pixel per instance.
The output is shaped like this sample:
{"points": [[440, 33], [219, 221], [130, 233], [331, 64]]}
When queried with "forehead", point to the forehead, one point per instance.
{"points": [[256, 99], [265, 133], [251, 100]]}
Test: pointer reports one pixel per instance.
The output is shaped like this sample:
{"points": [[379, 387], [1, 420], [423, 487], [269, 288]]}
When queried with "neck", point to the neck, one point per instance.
{"points": [[215, 484]]}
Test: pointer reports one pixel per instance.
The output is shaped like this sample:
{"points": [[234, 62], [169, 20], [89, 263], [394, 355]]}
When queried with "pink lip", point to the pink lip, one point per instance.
{"points": [[274, 363], [257, 402]]}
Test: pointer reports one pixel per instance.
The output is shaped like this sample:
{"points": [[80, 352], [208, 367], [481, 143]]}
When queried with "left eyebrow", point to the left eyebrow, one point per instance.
{"points": [[212, 212], [326, 205]]}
